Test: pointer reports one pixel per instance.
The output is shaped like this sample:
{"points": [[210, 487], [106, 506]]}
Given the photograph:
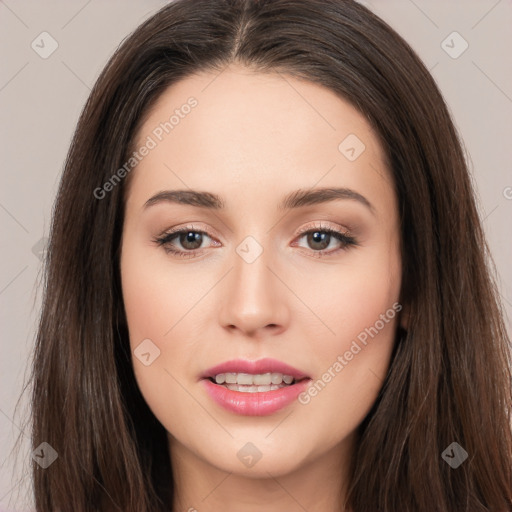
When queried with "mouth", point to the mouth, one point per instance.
{"points": [[254, 388], [254, 383]]}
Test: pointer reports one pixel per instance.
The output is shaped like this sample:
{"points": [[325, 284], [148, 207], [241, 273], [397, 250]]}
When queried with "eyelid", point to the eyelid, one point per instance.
{"points": [[338, 232], [322, 225], [319, 225], [190, 227]]}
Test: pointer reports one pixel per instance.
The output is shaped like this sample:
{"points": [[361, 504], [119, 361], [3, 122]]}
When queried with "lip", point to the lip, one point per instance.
{"points": [[265, 365], [259, 403], [254, 404]]}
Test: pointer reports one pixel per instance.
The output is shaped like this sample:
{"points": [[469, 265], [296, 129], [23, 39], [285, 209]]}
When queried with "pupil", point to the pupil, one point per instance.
{"points": [[192, 238], [318, 237]]}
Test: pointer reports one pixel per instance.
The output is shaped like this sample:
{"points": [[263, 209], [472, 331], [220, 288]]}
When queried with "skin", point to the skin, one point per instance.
{"points": [[252, 139]]}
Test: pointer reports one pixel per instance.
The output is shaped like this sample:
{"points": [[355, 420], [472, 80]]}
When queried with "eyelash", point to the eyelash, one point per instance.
{"points": [[345, 239]]}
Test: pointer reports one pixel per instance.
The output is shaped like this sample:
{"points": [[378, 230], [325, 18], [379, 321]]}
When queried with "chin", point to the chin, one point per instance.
{"points": [[259, 457]]}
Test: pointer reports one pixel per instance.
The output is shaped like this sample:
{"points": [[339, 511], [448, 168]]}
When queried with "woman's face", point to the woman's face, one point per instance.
{"points": [[247, 282]]}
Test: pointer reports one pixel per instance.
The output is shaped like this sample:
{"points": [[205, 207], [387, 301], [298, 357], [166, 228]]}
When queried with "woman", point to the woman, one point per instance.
{"points": [[267, 282]]}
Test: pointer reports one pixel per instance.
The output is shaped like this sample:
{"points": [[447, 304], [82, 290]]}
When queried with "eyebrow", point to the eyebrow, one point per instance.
{"points": [[297, 199]]}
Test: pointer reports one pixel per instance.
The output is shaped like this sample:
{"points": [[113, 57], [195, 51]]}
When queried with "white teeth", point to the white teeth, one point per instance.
{"points": [[277, 378], [253, 389], [262, 379], [247, 379]]}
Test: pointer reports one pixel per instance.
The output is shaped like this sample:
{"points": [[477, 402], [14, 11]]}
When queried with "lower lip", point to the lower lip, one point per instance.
{"points": [[254, 404]]}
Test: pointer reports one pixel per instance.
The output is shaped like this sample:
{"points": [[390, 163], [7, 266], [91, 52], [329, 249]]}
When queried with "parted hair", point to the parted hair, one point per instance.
{"points": [[449, 378]]}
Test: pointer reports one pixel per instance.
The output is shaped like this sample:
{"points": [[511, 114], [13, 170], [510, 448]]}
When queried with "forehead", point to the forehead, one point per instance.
{"points": [[257, 129]]}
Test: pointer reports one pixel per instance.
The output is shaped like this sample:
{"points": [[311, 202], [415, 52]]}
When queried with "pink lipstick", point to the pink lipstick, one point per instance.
{"points": [[254, 388]]}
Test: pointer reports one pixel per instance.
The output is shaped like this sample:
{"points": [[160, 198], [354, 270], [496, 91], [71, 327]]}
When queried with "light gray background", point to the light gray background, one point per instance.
{"points": [[40, 100]]}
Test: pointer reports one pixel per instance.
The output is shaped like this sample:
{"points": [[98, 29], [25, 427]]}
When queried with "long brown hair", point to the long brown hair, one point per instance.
{"points": [[450, 375]]}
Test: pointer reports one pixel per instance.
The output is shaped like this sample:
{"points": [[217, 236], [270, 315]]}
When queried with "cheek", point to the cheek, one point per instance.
{"points": [[364, 308], [361, 309], [156, 304], [363, 326], [156, 300], [355, 297], [153, 305]]}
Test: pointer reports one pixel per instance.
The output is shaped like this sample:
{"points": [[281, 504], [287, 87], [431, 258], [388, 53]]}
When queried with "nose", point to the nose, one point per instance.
{"points": [[254, 298]]}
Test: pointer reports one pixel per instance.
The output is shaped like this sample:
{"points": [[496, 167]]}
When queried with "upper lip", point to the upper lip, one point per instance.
{"points": [[266, 365]]}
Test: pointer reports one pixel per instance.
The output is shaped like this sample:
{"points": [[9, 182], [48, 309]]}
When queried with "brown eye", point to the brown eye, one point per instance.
{"points": [[184, 242], [190, 240], [319, 239]]}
